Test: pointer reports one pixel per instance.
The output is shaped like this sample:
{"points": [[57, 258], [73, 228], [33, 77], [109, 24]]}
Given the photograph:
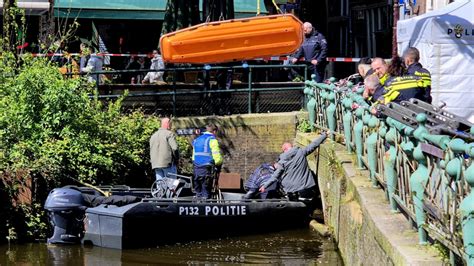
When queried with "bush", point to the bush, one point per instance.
{"points": [[53, 129]]}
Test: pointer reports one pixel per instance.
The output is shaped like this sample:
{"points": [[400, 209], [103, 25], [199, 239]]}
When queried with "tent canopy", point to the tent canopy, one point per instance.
{"points": [[134, 9], [445, 39]]}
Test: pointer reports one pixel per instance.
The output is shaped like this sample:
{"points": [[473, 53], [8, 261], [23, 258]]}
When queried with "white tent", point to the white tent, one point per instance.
{"points": [[445, 39]]}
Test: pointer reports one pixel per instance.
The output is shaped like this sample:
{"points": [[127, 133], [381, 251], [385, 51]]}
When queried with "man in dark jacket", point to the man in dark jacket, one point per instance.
{"points": [[262, 174], [411, 57], [314, 50], [293, 172]]}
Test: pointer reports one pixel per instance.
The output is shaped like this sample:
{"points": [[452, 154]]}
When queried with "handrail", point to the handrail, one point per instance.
{"points": [[176, 89], [427, 175]]}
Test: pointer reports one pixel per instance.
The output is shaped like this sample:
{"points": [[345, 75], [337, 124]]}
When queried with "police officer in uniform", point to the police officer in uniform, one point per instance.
{"points": [[403, 89], [314, 50], [207, 160], [411, 57]]}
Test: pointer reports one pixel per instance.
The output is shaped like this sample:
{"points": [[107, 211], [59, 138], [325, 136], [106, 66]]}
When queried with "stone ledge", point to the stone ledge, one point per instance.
{"points": [[393, 231], [232, 121], [366, 231]]}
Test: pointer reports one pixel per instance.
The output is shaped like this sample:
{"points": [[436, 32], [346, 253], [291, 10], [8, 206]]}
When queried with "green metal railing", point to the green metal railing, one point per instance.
{"points": [[178, 99], [425, 168]]}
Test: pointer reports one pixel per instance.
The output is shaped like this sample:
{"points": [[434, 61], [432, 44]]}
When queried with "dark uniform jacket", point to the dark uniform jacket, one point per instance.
{"points": [[403, 88], [314, 47], [417, 69]]}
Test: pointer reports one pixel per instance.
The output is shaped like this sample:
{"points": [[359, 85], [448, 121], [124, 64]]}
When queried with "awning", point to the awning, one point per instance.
{"points": [[135, 9], [32, 7]]}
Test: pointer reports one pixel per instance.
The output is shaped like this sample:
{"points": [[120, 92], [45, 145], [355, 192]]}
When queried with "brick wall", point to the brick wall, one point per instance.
{"points": [[247, 140]]}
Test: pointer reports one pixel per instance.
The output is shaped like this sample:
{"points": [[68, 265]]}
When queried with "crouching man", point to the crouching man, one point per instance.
{"points": [[293, 173], [262, 174]]}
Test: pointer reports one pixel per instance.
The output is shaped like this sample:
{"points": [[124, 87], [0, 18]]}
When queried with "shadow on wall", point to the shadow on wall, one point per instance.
{"points": [[247, 141]]}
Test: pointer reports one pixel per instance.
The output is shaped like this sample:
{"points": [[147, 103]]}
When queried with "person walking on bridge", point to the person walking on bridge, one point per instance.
{"points": [[313, 50]]}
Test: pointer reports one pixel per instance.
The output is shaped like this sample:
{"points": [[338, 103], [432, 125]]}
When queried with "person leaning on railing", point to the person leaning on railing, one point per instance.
{"points": [[411, 57]]}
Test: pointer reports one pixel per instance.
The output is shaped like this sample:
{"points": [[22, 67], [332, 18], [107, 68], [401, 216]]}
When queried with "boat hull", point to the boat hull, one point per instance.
{"points": [[156, 222], [233, 40]]}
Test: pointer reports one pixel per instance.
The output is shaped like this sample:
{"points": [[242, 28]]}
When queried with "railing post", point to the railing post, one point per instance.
{"points": [[389, 164], [306, 73], [250, 91], [309, 91], [347, 121], [174, 91], [358, 129], [372, 149], [331, 110], [467, 210], [419, 178]]}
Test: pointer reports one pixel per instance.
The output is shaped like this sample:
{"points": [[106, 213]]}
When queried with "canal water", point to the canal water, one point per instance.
{"points": [[294, 247]]}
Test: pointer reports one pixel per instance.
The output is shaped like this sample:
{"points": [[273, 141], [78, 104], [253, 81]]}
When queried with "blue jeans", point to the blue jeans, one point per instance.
{"points": [[163, 172]]}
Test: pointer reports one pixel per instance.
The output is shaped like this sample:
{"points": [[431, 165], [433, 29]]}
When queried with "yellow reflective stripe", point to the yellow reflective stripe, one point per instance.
{"points": [[426, 77], [216, 152], [406, 84], [383, 79], [390, 96], [427, 81], [422, 74]]}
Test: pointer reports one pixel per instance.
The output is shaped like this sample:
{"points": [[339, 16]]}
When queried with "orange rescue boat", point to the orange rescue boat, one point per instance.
{"points": [[233, 40]]}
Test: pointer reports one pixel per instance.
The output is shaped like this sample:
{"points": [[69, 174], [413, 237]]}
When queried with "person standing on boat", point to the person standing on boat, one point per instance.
{"points": [[292, 171], [164, 152], [207, 161], [313, 50]]}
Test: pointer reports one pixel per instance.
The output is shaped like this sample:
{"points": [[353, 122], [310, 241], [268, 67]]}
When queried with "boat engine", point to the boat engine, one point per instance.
{"points": [[66, 208]]}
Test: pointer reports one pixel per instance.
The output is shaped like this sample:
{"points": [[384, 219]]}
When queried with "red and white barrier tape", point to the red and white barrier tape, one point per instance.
{"points": [[101, 54], [270, 58], [343, 59]]}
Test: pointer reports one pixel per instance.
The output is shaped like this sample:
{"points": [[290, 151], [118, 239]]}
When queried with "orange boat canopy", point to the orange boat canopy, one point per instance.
{"points": [[233, 40]]}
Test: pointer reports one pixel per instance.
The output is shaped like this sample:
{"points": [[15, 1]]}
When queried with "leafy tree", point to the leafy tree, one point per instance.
{"points": [[54, 128]]}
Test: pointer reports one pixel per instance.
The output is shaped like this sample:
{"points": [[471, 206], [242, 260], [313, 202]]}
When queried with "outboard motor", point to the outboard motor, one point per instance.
{"points": [[66, 209]]}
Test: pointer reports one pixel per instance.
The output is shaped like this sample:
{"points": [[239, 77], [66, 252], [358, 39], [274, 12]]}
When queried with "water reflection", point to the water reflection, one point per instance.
{"points": [[300, 247]]}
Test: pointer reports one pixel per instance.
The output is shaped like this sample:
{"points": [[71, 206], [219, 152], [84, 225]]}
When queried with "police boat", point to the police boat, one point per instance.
{"points": [[166, 214]]}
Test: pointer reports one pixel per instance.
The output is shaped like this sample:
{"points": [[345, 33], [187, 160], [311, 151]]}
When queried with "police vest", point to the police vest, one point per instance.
{"points": [[202, 150]]}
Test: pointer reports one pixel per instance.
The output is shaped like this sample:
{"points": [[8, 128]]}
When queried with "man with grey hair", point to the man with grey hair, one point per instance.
{"points": [[373, 91], [411, 58], [313, 50], [164, 152]]}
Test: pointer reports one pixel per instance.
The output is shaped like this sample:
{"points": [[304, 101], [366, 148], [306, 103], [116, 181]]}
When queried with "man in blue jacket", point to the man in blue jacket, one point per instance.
{"points": [[257, 179], [313, 50], [207, 160], [292, 171]]}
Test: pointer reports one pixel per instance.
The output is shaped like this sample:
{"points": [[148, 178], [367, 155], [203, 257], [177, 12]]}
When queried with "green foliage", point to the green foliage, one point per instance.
{"points": [[54, 128], [185, 154], [303, 125], [35, 220]]}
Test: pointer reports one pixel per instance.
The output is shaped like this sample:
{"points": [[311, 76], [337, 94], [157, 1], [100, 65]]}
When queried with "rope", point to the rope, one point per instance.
{"points": [[277, 8], [105, 193]]}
